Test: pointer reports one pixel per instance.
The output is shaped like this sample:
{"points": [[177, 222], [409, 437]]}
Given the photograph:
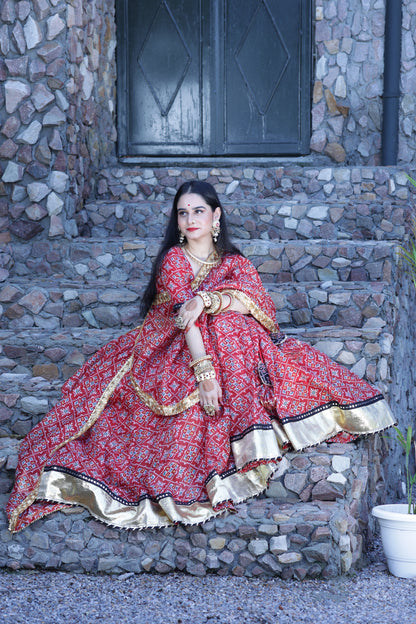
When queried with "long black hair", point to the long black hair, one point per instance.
{"points": [[223, 244]]}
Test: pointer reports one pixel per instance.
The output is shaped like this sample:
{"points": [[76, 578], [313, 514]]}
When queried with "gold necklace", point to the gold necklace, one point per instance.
{"points": [[204, 262]]}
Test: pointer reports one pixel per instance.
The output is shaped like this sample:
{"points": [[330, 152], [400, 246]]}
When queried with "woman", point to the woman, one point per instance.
{"points": [[188, 415]]}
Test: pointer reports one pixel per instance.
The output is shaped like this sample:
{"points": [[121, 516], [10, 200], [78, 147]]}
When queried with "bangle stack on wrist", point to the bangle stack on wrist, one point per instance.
{"points": [[214, 302], [203, 368], [209, 374]]}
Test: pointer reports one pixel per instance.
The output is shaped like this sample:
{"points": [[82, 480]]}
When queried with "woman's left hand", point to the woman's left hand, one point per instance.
{"points": [[190, 312], [210, 395]]}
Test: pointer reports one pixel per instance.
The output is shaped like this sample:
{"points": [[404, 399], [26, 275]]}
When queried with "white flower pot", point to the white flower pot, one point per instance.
{"points": [[398, 534]]}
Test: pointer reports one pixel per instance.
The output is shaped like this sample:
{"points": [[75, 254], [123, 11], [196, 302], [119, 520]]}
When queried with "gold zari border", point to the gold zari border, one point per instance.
{"points": [[254, 309], [258, 445], [318, 427], [162, 297], [165, 410], [95, 414], [68, 489]]}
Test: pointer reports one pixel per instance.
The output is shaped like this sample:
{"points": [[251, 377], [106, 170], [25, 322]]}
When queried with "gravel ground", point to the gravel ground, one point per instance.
{"points": [[371, 596]]}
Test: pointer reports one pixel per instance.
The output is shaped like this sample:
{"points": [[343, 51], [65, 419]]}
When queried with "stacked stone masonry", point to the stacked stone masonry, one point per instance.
{"points": [[330, 262], [108, 304], [323, 238], [58, 80], [308, 524], [348, 88], [287, 181], [57, 106]]}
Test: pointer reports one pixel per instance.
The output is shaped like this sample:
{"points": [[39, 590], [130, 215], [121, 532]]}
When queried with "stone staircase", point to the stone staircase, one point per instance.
{"points": [[324, 242]]}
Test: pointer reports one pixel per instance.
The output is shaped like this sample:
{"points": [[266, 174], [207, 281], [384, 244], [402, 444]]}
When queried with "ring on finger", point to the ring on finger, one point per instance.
{"points": [[180, 323], [209, 409]]}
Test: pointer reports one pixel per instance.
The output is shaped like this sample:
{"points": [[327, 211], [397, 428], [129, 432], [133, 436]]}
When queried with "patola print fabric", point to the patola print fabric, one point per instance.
{"points": [[129, 440]]}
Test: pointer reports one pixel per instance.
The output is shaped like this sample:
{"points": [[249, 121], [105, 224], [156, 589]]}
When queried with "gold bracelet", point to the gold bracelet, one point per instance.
{"points": [[230, 304], [212, 301], [201, 359], [207, 375], [217, 293], [215, 304], [205, 296], [203, 367]]}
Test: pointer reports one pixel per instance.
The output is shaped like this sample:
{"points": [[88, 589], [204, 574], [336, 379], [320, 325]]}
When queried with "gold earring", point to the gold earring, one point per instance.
{"points": [[181, 237], [215, 231]]}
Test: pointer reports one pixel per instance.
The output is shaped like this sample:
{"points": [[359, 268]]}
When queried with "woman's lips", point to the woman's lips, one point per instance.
{"points": [[193, 229]]}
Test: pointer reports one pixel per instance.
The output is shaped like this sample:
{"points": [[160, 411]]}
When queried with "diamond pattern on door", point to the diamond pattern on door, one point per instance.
{"points": [[164, 69], [263, 60]]}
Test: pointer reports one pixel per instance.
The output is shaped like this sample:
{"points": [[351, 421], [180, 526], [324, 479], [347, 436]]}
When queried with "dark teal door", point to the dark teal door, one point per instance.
{"points": [[214, 77]]}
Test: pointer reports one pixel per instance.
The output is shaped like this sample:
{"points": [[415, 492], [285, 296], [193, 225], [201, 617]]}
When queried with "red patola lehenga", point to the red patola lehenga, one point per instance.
{"points": [[129, 440]]}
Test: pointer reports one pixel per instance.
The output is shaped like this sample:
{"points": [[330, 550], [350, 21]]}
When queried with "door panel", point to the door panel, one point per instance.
{"points": [[263, 77], [163, 75], [213, 77]]}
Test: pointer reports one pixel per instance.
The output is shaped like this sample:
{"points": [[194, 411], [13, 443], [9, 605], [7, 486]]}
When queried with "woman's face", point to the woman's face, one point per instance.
{"points": [[195, 217]]}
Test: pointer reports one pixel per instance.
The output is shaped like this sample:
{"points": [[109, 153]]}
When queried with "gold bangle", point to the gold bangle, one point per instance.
{"points": [[201, 359], [230, 304], [203, 367], [215, 304], [204, 376], [205, 296], [221, 306]]}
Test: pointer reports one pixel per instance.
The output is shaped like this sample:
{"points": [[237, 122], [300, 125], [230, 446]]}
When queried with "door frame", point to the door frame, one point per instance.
{"points": [[305, 78]]}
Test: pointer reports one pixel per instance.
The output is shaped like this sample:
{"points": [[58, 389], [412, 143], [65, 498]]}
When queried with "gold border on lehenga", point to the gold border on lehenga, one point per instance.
{"points": [[60, 487], [325, 424], [165, 410], [95, 414], [258, 445]]}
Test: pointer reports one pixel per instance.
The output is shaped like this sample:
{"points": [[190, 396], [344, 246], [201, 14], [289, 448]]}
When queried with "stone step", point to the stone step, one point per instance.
{"points": [[277, 261], [35, 362], [260, 180], [310, 523], [266, 219], [103, 303]]}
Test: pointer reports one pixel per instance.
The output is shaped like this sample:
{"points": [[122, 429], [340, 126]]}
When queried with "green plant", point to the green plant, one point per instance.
{"points": [[408, 255], [408, 252], [406, 443]]}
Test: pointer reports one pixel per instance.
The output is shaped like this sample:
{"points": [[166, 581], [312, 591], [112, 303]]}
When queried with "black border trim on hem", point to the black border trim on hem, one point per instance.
{"points": [[117, 497], [321, 408]]}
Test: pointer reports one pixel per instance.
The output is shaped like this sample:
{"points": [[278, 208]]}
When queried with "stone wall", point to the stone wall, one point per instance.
{"points": [[347, 106], [91, 90], [57, 83], [310, 523], [347, 99], [58, 99], [403, 375], [245, 182], [407, 137]]}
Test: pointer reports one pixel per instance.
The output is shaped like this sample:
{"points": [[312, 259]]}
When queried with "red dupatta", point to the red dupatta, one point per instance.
{"points": [[160, 371]]}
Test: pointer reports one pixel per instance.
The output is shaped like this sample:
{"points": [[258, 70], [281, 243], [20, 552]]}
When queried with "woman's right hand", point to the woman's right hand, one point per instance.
{"points": [[191, 311], [210, 393]]}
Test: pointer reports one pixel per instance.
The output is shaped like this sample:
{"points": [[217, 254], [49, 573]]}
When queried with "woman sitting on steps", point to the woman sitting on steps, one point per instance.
{"points": [[189, 414]]}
